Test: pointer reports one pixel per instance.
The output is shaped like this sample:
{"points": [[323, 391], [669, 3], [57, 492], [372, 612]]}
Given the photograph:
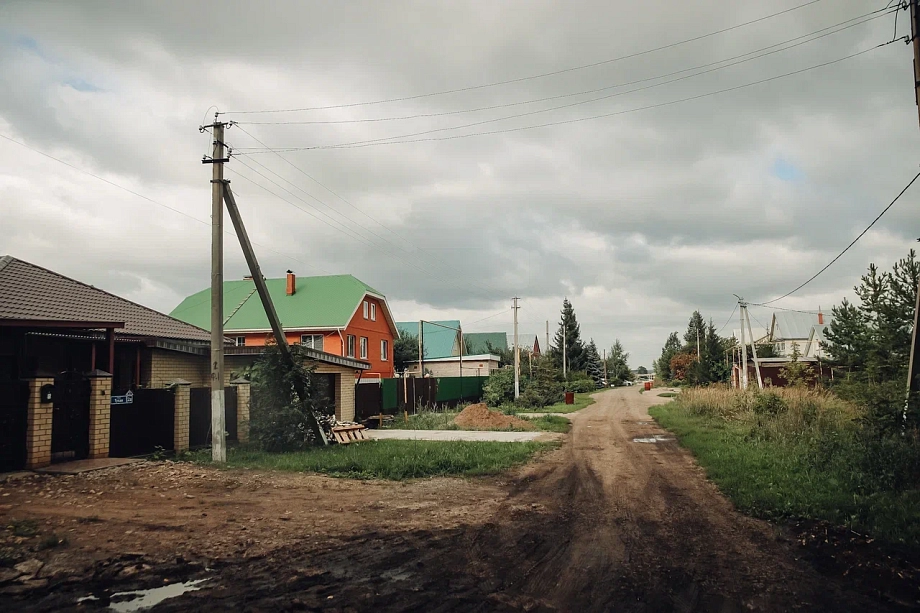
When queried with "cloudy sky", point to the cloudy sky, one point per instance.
{"points": [[638, 204]]}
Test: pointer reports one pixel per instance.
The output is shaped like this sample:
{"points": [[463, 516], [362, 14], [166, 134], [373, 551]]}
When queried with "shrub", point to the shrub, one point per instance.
{"points": [[499, 388], [769, 403], [580, 386], [279, 419]]}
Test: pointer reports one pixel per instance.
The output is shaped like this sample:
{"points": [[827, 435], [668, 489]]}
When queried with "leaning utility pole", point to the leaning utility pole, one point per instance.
{"points": [[218, 416], [913, 368], [517, 352], [753, 345]]}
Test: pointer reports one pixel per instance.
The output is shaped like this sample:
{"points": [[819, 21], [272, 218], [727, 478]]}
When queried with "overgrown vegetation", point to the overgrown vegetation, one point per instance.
{"points": [[444, 420], [581, 401], [394, 460], [805, 453], [280, 419]]}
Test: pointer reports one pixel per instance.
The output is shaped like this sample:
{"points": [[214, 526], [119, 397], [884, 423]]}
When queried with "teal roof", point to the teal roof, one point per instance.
{"points": [[318, 302], [479, 341], [439, 342]]}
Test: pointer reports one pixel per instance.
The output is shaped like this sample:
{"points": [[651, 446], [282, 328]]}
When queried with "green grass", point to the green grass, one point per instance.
{"points": [[581, 401], [394, 460], [550, 423], [770, 470], [444, 420]]}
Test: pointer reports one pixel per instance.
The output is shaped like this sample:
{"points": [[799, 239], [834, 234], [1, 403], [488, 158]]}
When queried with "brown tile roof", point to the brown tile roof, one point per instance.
{"points": [[28, 291]]}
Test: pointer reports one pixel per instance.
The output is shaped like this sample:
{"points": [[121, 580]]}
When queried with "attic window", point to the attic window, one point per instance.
{"points": [[373, 311], [365, 309]]}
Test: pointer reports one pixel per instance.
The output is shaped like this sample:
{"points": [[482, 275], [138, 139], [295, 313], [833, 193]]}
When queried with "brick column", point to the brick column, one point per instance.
{"points": [[181, 407], [242, 409], [345, 396], [38, 428], [100, 411]]}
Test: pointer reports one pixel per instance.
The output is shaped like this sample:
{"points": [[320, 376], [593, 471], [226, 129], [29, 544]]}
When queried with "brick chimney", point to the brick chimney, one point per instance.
{"points": [[820, 317], [291, 283]]}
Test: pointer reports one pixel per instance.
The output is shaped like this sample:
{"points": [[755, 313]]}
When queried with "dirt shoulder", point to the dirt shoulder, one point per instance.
{"points": [[604, 523]]}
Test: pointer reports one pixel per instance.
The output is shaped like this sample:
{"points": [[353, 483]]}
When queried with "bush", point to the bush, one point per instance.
{"points": [[580, 386], [279, 419], [769, 403], [499, 388]]}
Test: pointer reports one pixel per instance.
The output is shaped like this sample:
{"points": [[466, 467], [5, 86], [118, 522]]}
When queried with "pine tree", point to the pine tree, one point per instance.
{"points": [[663, 365], [618, 364], [593, 365], [847, 337], [696, 333], [574, 346]]}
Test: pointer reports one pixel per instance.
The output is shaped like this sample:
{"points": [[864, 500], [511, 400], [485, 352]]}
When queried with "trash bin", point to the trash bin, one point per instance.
{"points": [[648, 385], [569, 397]]}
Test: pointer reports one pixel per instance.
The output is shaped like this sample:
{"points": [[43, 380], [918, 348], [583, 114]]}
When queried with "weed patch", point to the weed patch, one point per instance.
{"points": [[50, 542], [581, 401], [23, 527], [388, 459]]}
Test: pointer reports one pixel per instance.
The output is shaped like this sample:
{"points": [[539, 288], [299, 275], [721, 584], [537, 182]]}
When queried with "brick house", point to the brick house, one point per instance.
{"points": [[336, 314]]}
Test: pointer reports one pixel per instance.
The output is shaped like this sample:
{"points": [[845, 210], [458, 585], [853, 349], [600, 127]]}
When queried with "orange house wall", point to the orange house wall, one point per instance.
{"points": [[375, 331]]}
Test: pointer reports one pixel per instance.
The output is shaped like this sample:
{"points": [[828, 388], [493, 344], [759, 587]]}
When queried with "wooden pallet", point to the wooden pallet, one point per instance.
{"points": [[349, 434]]}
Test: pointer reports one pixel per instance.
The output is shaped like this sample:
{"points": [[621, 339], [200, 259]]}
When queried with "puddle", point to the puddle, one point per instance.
{"points": [[140, 600], [657, 438]]}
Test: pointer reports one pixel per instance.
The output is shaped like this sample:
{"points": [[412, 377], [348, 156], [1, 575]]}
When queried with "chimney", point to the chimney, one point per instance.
{"points": [[291, 283], [820, 317]]}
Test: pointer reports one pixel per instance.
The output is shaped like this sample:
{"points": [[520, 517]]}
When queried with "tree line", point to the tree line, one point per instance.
{"points": [[699, 358]]}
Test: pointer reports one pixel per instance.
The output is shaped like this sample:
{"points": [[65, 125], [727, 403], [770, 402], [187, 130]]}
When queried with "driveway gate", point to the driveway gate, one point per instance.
{"points": [[14, 398]]}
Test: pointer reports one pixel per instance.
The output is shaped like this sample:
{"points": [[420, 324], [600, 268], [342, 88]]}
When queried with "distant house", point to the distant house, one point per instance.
{"points": [[472, 366], [336, 314], [789, 329], [484, 342], [441, 339]]}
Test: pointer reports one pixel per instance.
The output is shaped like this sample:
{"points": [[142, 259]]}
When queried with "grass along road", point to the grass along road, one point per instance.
{"points": [[388, 459], [444, 420]]}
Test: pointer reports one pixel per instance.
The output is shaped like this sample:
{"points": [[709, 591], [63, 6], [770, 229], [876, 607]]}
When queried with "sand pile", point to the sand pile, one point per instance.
{"points": [[479, 417]]}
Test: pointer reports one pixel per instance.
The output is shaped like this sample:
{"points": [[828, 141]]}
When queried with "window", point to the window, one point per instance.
{"points": [[240, 341], [384, 351], [363, 347], [313, 341], [365, 309], [351, 346], [373, 312]]}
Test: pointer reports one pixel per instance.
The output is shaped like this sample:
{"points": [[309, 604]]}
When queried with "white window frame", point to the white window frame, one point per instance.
{"points": [[373, 312], [362, 348], [312, 343], [384, 350], [365, 309], [350, 343], [240, 341]]}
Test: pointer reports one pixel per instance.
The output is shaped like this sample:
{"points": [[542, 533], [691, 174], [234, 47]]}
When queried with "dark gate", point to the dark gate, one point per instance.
{"points": [[421, 394], [368, 400], [199, 417], [144, 426], [70, 417], [14, 398]]}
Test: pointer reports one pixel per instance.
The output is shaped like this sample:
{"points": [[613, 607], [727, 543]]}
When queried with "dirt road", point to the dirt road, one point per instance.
{"points": [[602, 524]]}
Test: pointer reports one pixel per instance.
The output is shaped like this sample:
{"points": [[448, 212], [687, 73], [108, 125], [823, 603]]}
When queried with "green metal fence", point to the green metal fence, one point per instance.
{"points": [[397, 393]]}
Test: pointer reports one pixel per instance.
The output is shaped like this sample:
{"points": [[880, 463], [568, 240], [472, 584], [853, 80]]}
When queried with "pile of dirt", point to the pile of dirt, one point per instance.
{"points": [[479, 417]]}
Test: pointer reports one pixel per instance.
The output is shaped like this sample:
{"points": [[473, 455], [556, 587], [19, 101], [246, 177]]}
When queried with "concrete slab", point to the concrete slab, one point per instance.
{"points": [[463, 435], [84, 466]]}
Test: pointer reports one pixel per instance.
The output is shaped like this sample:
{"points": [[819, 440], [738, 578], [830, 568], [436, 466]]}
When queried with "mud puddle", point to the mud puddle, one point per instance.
{"points": [[141, 600], [657, 438]]}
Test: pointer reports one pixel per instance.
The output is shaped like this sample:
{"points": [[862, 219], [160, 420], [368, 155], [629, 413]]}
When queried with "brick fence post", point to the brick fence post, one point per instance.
{"points": [[345, 396], [181, 391], [38, 425], [100, 412], [243, 395]]}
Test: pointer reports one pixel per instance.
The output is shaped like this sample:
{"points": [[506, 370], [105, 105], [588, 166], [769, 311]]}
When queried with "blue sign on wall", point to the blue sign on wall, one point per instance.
{"points": [[126, 399]]}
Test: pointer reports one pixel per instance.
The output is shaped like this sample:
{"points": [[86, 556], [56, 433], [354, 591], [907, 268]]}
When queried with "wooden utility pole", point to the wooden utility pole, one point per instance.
{"points": [[913, 368], [218, 415], [605, 368], [743, 381], [517, 352]]}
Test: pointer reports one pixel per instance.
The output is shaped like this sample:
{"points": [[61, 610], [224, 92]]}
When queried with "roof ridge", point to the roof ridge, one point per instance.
{"points": [[93, 287], [5, 261]]}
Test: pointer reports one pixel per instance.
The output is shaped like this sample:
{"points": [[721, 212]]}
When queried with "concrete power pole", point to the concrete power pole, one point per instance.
{"points": [[218, 416], [744, 370], [913, 369], [564, 369], [546, 349], [517, 352], [753, 346]]}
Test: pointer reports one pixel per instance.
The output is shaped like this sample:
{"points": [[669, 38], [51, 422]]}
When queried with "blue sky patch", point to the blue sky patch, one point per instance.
{"points": [[785, 170]]}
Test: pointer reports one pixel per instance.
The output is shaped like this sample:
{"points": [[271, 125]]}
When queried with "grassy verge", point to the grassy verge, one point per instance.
{"points": [[444, 420], [794, 454], [581, 401], [394, 460]]}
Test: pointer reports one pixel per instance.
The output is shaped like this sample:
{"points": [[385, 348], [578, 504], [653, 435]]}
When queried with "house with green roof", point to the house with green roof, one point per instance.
{"points": [[484, 342], [336, 314], [440, 339]]}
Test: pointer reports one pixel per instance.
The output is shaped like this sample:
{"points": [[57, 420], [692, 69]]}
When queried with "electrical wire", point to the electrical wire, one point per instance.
{"points": [[729, 319], [844, 25], [776, 308], [361, 144], [532, 77], [505, 312], [847, 248], [152, 201]]}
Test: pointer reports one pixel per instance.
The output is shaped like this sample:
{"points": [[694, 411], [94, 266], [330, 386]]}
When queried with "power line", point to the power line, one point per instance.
{"points": [[775, 308], [152, 201], [839, 255], [505, 312], [844, 25], [729, 319], [361, 144], [537, 76], [344, 200]]}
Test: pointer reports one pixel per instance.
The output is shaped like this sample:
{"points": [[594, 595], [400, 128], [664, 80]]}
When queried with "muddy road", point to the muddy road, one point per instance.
{"points": [[602, 524]]}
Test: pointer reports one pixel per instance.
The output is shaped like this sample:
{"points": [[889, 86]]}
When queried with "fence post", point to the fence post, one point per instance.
{"points": [[38, 425], [243, 395], [181, 404], [100, 413]]}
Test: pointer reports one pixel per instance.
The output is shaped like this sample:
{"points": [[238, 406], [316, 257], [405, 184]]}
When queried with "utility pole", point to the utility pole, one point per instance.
{"points": [[421, 349], [605, 367], [517, 352], [744, 371], [913, 368], [546, 349], [753, 346], [218, 416], [563, 350]]}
